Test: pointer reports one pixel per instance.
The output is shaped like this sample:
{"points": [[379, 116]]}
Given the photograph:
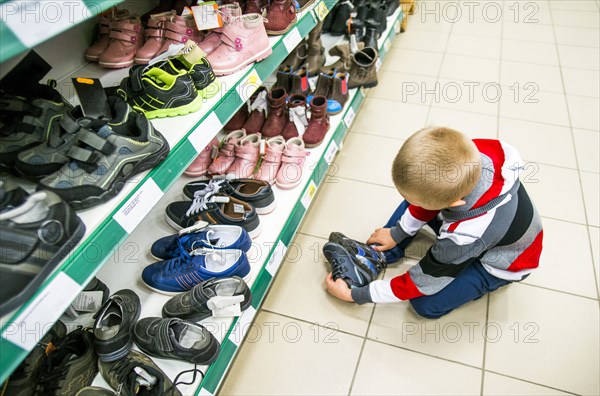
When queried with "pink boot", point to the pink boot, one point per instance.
{"points": [[212, 39], [126, 38], [101, 44], [244, 41], [179, 30], [199, 167], [246, 157], [271, 161], [155, 37], [227, 153], [292, 163]]}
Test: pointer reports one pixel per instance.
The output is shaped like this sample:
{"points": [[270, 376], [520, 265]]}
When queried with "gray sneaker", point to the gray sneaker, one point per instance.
{"points": [[136, 374], [102, 160]]}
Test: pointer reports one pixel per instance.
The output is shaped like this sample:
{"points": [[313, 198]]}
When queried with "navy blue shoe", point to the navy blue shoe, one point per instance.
{"points": [[356, 263], [181, 273], [210, 236]]}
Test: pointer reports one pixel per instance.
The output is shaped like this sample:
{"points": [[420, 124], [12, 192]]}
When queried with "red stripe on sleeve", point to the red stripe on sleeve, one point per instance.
{"points": [[530, 258], [493, 149], [404, 288], [422, 214]]}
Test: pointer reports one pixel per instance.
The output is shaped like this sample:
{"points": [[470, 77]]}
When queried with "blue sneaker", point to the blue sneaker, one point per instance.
{"points": [[181, 273], [207, 236], [356, 263]]}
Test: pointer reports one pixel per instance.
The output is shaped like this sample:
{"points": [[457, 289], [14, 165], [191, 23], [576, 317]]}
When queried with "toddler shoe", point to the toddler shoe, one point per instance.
{"points": [[332, 84], [281, 17], [155, 37], [258, 108], [126, 37], [229, 13], [297, 121], [271, 161], [238, 120], [247, 152], [226, 155], [292, 164], [180, 30], [199, 167], [277, 117], [93, 53], [192, 60], [319, 122]]}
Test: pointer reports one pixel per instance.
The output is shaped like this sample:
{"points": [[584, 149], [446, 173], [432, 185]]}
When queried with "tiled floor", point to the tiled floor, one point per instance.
{"points": [[539, 337]]}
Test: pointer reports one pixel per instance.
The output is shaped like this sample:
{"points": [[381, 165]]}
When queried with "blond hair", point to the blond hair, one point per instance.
{"points": [[436, 167]]}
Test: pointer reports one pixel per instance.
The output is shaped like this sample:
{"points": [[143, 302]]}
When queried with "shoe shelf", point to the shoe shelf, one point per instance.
{"points": [[108, 225], [23, 25]]}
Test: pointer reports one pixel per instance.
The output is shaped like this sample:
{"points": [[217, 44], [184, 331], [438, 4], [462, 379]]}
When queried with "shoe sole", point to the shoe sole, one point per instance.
{"points": [[204, 316], [18, 300], [92, 58], [191, 107], [247, 278], [340, 252], [116, 355], [116, 65], [313, 145], [256, 58], [117, 185], [266, 209], [370, 85], [280, 32], [284, 186], [204, 363]]}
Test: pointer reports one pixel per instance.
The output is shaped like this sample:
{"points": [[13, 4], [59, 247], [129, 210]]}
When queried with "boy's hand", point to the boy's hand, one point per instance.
{"points": [[338, 288], [383, 238]]}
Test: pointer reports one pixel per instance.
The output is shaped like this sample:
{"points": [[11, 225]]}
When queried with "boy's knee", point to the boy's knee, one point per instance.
{"points": [[422, 308]]}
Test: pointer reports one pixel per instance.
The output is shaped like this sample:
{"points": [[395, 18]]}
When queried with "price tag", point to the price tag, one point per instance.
{"points": [[205, 132], [138, 205], [330, 153], [242, 326], [349, 117], [378, 64], [309, 194], [276, 258], [28, 328], [248, 86], [206, 16], [397, 26], [237, 208], [292, 39], [387, 45], [321, 11]]}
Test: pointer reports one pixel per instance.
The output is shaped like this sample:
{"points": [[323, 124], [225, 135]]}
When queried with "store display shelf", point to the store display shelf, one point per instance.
{"points": [[110, 224], [25, 24]]}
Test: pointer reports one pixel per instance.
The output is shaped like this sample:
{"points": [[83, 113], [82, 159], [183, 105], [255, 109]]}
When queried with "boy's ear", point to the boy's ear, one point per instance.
{"points": [[460, 202]]}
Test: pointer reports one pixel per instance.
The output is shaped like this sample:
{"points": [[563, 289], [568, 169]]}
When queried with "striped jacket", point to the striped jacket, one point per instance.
{"points": [[499, 226]]}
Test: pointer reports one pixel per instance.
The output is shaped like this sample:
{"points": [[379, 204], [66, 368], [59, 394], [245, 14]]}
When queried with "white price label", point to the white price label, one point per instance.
{"points": [[309, 194], [276, 258], [248, 86], [349, 117], [292, 39], [242, 326], [387, 45], [378, 64], [206, 16], [138, 205], [330, 153], [205, 132], [29, 327]]}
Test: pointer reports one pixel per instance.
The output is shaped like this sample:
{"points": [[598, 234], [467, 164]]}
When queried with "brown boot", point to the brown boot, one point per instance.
{"points": [[281, 17], [318, 124], [298, 56], [338, 91], [343, 51], [316, 52], [258, 109], [237, 121], [323, 85], [363, 72], [255, 6], [283, 78], [296, 117], [299, 82], [276, 118]]}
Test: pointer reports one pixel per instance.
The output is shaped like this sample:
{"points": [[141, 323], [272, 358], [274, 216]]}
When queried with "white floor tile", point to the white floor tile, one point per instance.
{"points": [[587, 144], [427, 18], [422, 40], [584, 112], [279, 354], [368, 158], [528, 52], [588, 19], [550, 274], [520, 30], [412, 61], [516, 74], [387, 370], [577, 36], [579, 57], [472, 45], [338, 207], [536, 142], [581, 5], [529, 12], [483, 22], [375, 115], [581, 82], [499, 385], [546, 337], [473, 125], [470, 68], [306, 266], [457, 336], [472, 96], [595, 241], [590, 183], [530, 104], [556, 192], [404, 87]]}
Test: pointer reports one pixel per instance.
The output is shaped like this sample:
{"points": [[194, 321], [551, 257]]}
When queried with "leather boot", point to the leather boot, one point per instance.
{"points": [[237, 121], [363, 72], [283, 78], [298, 82], [296, 117], [343, 51], [391, 6], [318, 124], [339, 26], [377, 17], [316, 52], [230, 13], [338, 91], [276, 118], [103, 39], [323, 84], [255, 6], [281, 17], [258, 109], [298, 56], [155, 37], [370, 39]]}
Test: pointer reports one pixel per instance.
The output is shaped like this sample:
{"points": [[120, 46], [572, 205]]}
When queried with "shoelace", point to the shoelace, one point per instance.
{"points": [[203, 197], [51, 373], [126, 375], [176, 381], [205, 241], [176, 264]]}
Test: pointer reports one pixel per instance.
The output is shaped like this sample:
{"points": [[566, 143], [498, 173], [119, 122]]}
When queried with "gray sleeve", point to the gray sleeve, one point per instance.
{"points": [[398, 234], [361, 295]]}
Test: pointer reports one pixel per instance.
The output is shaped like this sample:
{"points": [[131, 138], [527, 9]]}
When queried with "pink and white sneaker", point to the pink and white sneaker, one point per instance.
{"points": [[247, 152], [199, 167], [292, 164], [271, 161], [226, 156]]}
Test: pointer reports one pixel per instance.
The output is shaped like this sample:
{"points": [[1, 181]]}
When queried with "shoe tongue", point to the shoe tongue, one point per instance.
{"points": [[145, 382]]}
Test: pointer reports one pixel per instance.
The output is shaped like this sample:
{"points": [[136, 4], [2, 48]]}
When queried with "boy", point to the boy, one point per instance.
{"points": [[489, 233]]}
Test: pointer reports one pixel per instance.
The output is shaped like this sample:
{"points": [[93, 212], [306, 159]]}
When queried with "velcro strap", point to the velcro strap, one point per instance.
{"points": [[197, 297], [248, 156], [271, 156], [173, 27], [8, 104], [154, 32], [163, 339], [154, 23], [294, 158], [227, 150], [135, 76], [69, 124], [79, 154], [229, 38], [180, 38], [115, 34], [95, 141], [125, 26]]}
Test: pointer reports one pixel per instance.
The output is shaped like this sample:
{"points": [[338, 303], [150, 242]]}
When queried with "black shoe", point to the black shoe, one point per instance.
{"points": [[257, 193], [391, 6], [370, 39], [377, 17], [11, 194], [193, 304], [22, 381], [176, 339], [35, 238], [339, 25], [71, 365], [126, 376], [114, 324], [97, 285]]}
